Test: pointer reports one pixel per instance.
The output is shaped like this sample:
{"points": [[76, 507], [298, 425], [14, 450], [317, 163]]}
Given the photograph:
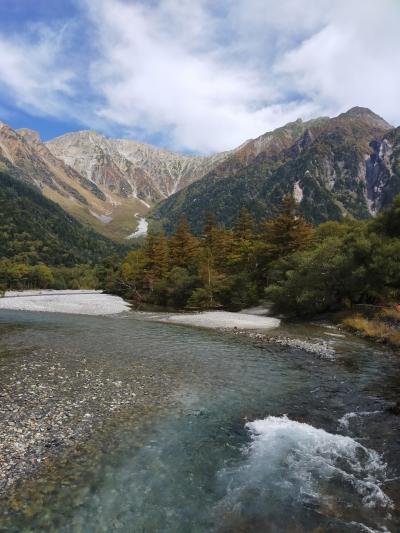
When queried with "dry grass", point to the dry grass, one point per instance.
{"points": [[391, 314], [375, 329]]}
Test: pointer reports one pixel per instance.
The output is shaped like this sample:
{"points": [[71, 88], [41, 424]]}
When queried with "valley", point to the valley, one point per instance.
{"points": [[347, 166], [137, 352], [199, 266]]}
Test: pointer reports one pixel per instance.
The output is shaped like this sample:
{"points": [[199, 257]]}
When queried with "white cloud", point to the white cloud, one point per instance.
{"points": [[31, 76], [214, 77], [153, 75], [205, 75], [353, 60]]}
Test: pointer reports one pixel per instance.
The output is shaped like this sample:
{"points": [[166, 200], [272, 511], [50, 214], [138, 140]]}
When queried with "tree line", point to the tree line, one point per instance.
{"points": [[302, 270]]}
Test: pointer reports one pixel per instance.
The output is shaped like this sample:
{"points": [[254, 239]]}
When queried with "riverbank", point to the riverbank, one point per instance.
{"points": [[320, 348], [81, 302], [382, 326], [48, 404]]}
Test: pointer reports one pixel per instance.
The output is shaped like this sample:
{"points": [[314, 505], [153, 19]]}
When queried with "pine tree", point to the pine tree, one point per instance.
{"points": [[242, 256], [281, 236], [287, 232], [183, 246], [132, 275], [244, 227], [209, 225], [157, 258]]}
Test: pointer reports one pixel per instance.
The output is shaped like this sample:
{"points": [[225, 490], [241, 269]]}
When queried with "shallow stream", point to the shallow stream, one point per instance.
{"points": [[225, 434]]}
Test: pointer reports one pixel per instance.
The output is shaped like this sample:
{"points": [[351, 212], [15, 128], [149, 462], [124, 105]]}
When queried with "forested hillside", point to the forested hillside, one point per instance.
{"points": [[35, 234], [347, 166]]}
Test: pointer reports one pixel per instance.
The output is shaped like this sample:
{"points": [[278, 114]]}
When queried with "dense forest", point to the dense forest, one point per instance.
{"points": [[42, 246], [301, 269]]}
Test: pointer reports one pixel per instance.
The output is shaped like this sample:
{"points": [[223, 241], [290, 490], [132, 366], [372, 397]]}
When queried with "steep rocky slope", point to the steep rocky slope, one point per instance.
{"points": [[129, 168], [344, 166], [24, 156], [106, 183], [22, 152]]}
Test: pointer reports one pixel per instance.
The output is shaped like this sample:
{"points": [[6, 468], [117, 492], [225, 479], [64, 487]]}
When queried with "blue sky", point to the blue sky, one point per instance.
{"points": [[194, 75]]}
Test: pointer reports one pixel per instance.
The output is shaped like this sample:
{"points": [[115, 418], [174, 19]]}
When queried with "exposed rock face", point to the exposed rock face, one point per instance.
{"points": [[382, 177], [377, 173], [24, 156], [62, 174], [106, 183], [130, 168], [22, 153], [344, 166], [31, 136], [347, 166]]}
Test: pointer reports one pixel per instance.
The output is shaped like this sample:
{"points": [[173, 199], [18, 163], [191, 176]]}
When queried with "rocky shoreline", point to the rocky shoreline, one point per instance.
{"points": [[51, 401], [47, 406], [320, 348]]}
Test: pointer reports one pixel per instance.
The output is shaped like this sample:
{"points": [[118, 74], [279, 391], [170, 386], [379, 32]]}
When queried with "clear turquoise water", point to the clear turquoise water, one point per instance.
{"points": [[190, 463]]}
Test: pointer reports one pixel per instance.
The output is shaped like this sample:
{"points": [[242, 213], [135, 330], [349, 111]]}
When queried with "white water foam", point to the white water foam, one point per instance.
{"points": [[290, 465], [345, 420], [311, 453]]}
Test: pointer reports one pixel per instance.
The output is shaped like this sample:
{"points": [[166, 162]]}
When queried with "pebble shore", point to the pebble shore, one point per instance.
{"points": [[320, 348], [46, 406]]}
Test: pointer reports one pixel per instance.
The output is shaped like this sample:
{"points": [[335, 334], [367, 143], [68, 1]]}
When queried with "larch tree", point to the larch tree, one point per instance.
{"points": [[183, 246]]}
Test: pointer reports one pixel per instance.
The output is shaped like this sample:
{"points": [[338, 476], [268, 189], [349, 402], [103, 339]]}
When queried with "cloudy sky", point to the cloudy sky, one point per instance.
{"points": [[194, 75]]}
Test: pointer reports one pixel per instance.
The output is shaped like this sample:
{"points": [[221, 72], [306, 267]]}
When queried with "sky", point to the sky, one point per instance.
{"points": [[197, 76]]}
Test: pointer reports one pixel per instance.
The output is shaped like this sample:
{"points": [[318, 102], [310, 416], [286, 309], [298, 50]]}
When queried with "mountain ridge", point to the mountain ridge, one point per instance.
{"points": [[110, 183], [326, 162], [150, 173]]}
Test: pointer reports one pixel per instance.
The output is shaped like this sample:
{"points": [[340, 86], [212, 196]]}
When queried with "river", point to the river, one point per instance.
{"points": [[223, 433]]}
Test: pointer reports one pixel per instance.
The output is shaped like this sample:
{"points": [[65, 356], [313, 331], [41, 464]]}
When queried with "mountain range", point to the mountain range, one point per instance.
{"points": [[347, 166], [105, 183]]}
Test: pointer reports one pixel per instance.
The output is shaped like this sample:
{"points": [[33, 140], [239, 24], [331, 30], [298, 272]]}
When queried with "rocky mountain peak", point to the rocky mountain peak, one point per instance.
{"points": [[365, 114], [148, 172], [29, 135]]}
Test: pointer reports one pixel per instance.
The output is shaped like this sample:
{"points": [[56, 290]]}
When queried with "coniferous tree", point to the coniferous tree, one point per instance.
{"points": [[245, 226], [209, 225], [242, 256], [157, 258], [131, 278], [287, 232], [183, 246]]}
